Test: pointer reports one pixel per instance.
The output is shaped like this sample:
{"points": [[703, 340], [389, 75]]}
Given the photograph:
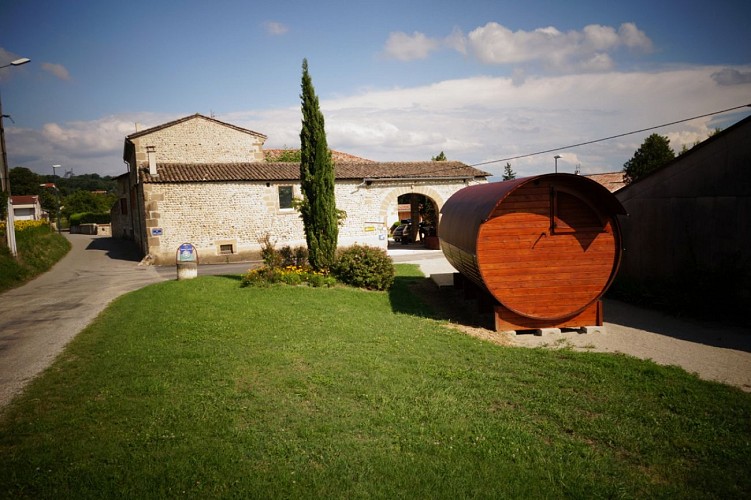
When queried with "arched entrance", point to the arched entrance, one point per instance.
{"points": [[417, 206]]}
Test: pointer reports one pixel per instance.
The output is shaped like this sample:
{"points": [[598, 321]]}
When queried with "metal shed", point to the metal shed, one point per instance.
{"points": [[544, 248]]}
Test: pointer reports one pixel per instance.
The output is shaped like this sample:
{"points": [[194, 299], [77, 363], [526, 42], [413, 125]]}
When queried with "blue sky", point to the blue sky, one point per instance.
{"points": [[398, 81]]}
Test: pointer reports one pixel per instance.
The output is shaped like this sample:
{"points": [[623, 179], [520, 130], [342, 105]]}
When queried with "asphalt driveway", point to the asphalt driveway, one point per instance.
{"points": [[39, 318]]}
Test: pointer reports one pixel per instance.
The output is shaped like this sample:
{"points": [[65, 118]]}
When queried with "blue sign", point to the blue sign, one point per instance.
{"points": [[187, 253], [156, 231]]}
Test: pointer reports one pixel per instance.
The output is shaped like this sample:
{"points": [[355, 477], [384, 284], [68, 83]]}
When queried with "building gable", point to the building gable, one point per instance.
{"points": [[195, 139]]}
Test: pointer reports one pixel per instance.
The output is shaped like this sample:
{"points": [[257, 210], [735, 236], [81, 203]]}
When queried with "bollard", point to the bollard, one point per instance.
{"points": [[187, 262]]}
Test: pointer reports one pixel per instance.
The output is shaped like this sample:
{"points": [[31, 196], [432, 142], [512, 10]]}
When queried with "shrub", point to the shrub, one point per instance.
{"points": [[269, 254], [294, 256], [364, 267], [287, 265], [284, 257]]}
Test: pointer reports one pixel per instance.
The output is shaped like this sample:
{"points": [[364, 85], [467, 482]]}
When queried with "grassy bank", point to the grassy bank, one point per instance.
{"points": [[39, 248], [202, 389]]}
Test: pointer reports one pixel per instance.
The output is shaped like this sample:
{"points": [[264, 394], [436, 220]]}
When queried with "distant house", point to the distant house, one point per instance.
{"points": [[26, 207], [202, 181], [612, 181], [689, 222]]}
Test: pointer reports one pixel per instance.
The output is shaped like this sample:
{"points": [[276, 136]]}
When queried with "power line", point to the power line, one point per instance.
{"points": [[611, 137]]}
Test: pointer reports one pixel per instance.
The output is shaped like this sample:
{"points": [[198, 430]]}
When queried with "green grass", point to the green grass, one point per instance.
{"points": [[39, 248], [201, 388]]}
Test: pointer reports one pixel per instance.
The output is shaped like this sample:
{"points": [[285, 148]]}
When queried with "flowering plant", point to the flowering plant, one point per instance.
{"points": [[289, 275]]}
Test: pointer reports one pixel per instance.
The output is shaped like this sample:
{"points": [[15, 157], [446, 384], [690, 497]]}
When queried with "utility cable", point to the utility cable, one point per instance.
{"points": [[608, 138]]}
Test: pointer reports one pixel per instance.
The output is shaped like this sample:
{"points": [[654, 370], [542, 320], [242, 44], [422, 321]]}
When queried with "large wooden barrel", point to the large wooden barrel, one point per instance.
{"points": [[545, 247]]}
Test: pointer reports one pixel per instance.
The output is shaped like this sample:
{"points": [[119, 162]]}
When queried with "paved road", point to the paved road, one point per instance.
{"points": [[38, 319]]}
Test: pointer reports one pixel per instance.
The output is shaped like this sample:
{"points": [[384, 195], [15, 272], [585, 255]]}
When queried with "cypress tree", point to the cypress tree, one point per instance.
{"points": [[318, 207]]}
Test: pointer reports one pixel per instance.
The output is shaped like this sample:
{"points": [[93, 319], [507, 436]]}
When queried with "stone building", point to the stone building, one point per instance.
{"points": [[202, 181]]}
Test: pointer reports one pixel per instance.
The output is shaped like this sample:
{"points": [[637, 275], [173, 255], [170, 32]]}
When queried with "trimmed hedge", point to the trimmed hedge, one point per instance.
{"points": [[89, 218]]}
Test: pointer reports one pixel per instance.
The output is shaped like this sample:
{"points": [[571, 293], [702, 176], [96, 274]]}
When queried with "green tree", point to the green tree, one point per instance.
{"points": [[48, 199], [23, 181], [318, 206], [86, 201], [653, 153], [508, 174], [85, 182], [286, 155], [440, 157]]}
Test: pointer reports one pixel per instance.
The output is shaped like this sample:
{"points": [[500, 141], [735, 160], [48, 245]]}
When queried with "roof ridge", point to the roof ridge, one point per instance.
{"points": [[190, 117]]}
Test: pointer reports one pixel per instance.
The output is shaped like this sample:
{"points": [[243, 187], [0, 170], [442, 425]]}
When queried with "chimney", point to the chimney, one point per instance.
{"points": [[151, 155]]}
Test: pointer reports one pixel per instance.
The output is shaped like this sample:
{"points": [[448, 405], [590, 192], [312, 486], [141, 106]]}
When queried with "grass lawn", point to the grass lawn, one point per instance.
{"points": [[39, 248], [201, 388]]}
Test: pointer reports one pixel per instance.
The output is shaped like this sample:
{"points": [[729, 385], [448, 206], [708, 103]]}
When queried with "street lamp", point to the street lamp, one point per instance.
{"points": [[58, 197], [10, 228], [17, 62], [556, 162]]}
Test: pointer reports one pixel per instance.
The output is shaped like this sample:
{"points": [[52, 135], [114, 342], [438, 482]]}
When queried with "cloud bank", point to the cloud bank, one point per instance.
{"points": [[473, 120], [495, 44]]}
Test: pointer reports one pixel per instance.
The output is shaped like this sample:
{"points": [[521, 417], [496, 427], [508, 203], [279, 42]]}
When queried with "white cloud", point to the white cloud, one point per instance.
{"points": [[632, 37], [600, 37], [58, 70], [456, 41], [94, 146], [275, 28], [587, 49], [406, 47]]}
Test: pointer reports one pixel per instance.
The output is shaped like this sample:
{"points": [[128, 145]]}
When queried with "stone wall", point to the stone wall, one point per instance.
{"points": [[200, 140], [227, 222]]}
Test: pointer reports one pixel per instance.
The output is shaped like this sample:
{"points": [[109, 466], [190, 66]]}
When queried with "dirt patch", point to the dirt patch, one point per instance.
{"points": [[462, 315]]}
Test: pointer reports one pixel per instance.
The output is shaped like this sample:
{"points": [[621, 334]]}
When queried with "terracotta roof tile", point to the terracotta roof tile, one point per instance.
{"points": [[337, 156], [265, 171], [613, 181], [23, 199]]}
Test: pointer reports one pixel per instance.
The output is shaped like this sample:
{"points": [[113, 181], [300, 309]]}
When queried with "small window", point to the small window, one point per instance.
{"points": [[123, 206], [226, 249], [285, 197]]}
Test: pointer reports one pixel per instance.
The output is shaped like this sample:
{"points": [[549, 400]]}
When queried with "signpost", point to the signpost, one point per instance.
{"points": [[186, 258]]}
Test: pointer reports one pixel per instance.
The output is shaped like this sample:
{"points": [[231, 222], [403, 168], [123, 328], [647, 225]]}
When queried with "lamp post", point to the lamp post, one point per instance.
{"points": [[556, 162], [10, 229], [58, 197]]}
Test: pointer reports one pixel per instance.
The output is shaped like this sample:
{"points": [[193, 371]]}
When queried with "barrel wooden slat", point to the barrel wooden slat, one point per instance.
{"points": [[545, 247]]}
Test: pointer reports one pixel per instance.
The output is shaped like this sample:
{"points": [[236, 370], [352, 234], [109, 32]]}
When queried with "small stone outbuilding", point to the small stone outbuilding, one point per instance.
{"points": [[202, 181]]}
